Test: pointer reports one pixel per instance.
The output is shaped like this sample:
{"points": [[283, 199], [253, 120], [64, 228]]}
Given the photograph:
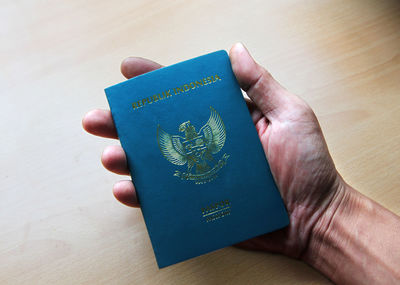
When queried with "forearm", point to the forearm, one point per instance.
{"points": [[356, 241]]}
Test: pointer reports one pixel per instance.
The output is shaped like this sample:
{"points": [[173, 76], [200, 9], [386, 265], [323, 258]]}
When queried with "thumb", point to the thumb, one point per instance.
{"points": [[269, 96]]}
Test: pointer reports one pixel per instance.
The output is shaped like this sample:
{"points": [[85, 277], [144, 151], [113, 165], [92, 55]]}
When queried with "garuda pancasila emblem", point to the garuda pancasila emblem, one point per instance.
{"points": [[196, 149]]}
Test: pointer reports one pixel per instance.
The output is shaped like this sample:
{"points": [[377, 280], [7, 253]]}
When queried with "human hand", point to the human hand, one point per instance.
{"points": [[292, 141], [330, 222]]}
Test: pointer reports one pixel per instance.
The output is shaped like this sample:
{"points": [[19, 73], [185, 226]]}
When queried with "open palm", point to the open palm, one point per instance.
{"points": [[293, 143]]}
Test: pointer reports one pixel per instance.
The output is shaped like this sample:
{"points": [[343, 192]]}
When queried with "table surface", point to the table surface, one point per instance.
{"points": [[59, 221]]}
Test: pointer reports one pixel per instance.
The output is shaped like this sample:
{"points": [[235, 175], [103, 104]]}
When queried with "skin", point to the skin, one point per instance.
{"points": [[323, 209]]}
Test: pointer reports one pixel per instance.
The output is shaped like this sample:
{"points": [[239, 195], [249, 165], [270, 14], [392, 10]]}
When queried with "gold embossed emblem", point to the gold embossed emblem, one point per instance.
{"points": [[196, 149]]}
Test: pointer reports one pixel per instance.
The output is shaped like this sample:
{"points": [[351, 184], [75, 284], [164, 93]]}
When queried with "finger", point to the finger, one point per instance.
{"points": [[100, 123], [271, 242], [134, 66], [125, 192], [269, 96], [114, 160], [255, 113]]}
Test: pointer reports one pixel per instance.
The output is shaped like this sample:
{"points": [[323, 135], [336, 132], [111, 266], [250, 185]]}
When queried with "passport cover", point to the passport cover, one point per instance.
{"points": [[195, 158]]}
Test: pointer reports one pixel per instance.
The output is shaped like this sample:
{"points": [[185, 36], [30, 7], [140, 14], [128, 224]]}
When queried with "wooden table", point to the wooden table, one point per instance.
{"points": [[59, 221]]}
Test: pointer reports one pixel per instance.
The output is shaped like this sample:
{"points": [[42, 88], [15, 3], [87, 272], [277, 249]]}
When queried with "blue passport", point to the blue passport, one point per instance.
{"points": [[200, 172]]}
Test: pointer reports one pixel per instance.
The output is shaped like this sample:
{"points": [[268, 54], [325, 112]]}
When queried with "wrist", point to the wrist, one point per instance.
{"points": [[329, 240], [349, 243], [331, 228]]}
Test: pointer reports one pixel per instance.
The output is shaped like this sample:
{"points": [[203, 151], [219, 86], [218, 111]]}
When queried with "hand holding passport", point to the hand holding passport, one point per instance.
{"points": [[198, 147]]}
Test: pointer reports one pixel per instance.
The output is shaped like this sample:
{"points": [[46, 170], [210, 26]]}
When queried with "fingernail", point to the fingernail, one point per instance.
{"points": [[239, 47]]}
